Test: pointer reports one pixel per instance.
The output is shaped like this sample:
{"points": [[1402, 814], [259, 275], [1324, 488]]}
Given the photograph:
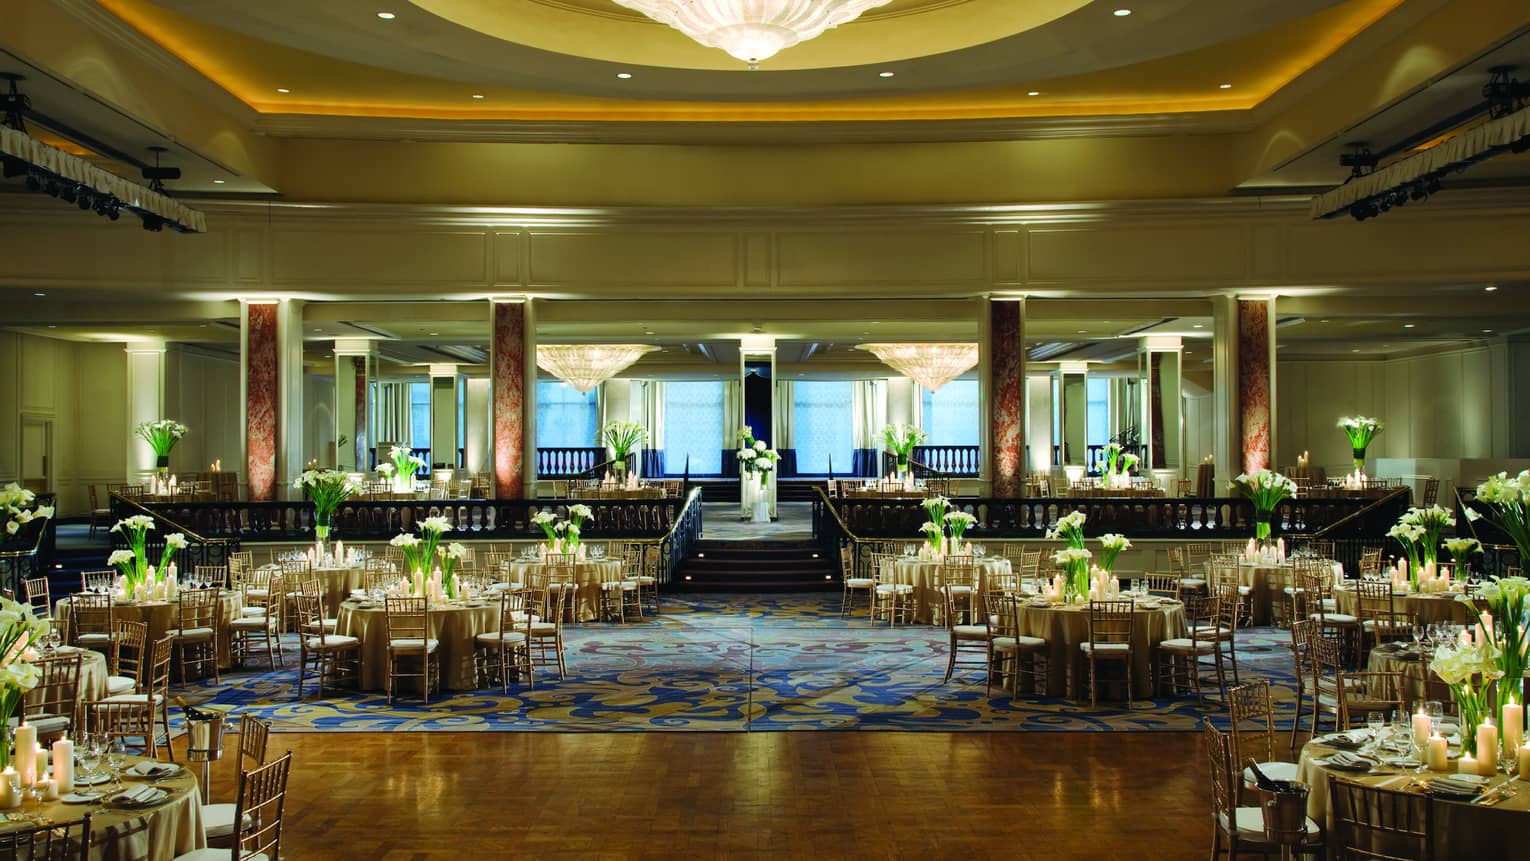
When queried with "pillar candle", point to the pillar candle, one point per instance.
{"points": [[1513, 726], [1437, 754], [25, 759], [1524, 762], [1422, 726], [1467, 764], [50, 790], [41, 759], [1487, 748], [10, 789], [63, 764]]}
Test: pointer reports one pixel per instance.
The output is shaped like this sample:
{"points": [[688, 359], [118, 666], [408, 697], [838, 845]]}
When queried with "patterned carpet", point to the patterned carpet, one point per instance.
{"points": [[739, 664]]}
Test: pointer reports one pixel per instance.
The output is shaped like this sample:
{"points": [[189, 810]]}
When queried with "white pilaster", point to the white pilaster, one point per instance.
{"points": [[145, 403]]}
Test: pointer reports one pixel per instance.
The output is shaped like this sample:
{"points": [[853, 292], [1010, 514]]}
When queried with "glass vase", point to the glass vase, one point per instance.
{"points": [[1262, 525], [1359, 455], [162, 466]]}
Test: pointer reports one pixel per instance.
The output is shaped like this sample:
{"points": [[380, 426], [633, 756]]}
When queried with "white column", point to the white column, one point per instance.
{"points": [[443, 415], [290, 456], [1038, 424], [1224, 360], [352, 419], [145, 403], [475, 415], [529, 402]]}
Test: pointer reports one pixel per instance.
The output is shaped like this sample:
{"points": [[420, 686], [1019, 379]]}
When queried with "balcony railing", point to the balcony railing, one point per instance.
{"points": [[568, 462]]}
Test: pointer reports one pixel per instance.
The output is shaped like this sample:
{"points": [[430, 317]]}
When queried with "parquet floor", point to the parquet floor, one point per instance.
{"points": [[893, 795]]}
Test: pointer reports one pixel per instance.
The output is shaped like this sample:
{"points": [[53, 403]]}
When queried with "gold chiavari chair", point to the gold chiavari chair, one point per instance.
{"points": [[1251, 704], [408, 638], [144, 715], [1315, 580], [256, 625], [218, 818], [1302, 632], [959, 572], [891, 598], [1180, 659], [328, 653], [1370, 822], [1361, 693], [91, 618], [1010, 654], [1228, 619], [98, 581], [212, 575], [563, 576], [1162, 585], [1241, 829], [196, 634], [1380, 621], [1111, 624], [1370, 561], [641, 565], [618, 595], [126, 662], [968, 638], [262, 794], [52, 706], [509, 648], [852, 584], [47, 840], [547, 628], [1222, 574]]}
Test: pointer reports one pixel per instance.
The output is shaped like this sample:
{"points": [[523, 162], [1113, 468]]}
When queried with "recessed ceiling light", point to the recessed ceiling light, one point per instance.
{"points": [[217, 182], [283, 90], [51, 326], [1197, 326], [1322, 321], [1491, 288], [886, 74], [435, 333], [478, 95], [1407, 325], [1224, 86], [1081, 331], [624, 75], [386, 16], [1487, 331], [1122, 13], [1034, 93], [1355, 350], [39, 294]]}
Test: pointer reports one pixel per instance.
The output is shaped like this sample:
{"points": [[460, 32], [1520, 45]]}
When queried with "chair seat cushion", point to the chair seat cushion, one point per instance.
{"points": [[1249, 822], [1011, 643], [643, 579], [127, 698], [543, 629], [47, 725], [495, 638], [218, 820], [895, 588], [329, 624], [1192, 582], [1389, 625], [970, 632], [258, 593], [217, 855], [1187, 645], [860, 582], [190, 633], [120, 685], [1106, 648], [413, 644], [1330, 605], [334, 641], [252, 611], [250, 623], [1334, 618], [619, 585], [88, 638]]}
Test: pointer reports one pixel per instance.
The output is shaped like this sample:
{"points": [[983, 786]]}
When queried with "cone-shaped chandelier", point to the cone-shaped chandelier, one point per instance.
{"points": [[585, 366], [752, 30], [929, 365]]}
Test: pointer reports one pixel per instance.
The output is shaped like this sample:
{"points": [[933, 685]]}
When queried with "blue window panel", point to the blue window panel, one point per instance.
{"points": [[693, 422], [566, 418], [951, 414], [824, 426], [419, 415], [1099, 411]]}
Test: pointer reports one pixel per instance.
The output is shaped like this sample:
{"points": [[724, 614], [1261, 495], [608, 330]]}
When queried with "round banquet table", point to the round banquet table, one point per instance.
{"points": [[1461, 830], [1267, 585], [924, 575], [1413, 663], [161, 616], [93, 672], [1427, 608], [338, 581], [159, 833], [455, 625], [1065, 626], [588, 573]]}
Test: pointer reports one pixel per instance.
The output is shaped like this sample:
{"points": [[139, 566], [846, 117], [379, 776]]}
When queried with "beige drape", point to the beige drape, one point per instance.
{"points": [[868, 411], [784, 416], [392, 413], [733, 412]]}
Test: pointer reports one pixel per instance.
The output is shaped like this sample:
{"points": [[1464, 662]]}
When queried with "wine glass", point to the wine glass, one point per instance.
{"points": [[90, 753], [979, 551], [116, 758], [1375, 722]]}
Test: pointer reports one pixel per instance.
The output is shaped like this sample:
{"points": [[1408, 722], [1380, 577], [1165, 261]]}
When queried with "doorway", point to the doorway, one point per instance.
{"points": [[36, 454]]}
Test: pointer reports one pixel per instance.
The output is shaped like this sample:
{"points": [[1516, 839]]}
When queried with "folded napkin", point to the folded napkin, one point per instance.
{"points": [[1457, 784], [152, 769], [139, 795], [1351, 739]]}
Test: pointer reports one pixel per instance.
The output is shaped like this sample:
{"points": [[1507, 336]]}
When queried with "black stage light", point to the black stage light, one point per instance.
{"points": [[68, 193]]}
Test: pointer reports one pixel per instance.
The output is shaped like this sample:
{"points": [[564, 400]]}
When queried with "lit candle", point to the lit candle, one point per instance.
{"points": [[63, 764], [1487, 748], [10, 789], [49, 790], [1437, 754], [1513, 725], [1524, 762], [26, 763], [1467, 764], [1422, 726]]}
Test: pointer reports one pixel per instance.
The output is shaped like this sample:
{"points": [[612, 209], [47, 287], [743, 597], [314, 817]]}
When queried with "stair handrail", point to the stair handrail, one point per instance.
{"points": [[669, 552], [213, 551], [1363, 511], [848, 535]]}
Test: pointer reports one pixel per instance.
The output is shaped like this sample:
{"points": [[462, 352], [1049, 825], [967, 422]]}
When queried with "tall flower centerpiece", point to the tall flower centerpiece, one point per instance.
{"points": [[1074, 558], [957, 523], [17, 509], [451, 556], [1461, 552], [326, 489], [1111, 545], [578, 513], [935, 528], [1361, 431], [1265, 489], [900, 440], [401, 468], [548, 522], [132, 563], [161, 435], [19, 631], [1469, 669], [1411, 537], [1118, 466], [1427, 526], [621, 438], [420, 551], [1500, 608]]}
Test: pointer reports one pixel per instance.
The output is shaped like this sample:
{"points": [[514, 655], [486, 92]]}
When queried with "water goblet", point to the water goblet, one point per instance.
{"points": [[1375, 722], [116, 758], [979, 551]]}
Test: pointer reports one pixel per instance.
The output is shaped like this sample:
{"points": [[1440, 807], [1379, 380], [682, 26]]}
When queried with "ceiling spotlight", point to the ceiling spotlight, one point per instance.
{"points": [[1224, 86], [1487, 331], [1122, 13], [478, 95], [1034, 93], [283, 90], [624, 75], [886, 74], [1491, 288], [386, 16], [218, 182], [1197, 326], [1407, 325], [39, 294]]}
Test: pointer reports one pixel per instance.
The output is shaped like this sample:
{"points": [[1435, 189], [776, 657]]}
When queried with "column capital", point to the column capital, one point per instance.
{"points": [[147, 345], [355, 347]]}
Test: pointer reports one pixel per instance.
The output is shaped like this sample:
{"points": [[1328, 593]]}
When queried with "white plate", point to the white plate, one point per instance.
{"points": [[92, 779], [121, 799], [87, 797], [154, 770]]}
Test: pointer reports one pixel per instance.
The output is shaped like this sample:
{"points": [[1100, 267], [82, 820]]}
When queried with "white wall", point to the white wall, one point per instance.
{"points": [[203, 394], [318, 420]]}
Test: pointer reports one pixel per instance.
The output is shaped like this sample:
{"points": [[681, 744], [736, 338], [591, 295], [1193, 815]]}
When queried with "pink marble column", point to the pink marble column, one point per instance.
{"points": [[1006, 386], [261, 399], [508, 372], [361, 438], [1254, 382]]}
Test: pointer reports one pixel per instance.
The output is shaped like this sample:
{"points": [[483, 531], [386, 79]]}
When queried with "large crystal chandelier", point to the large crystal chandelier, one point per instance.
{"points": [[752, 30], [585, 366], [929, 365]]}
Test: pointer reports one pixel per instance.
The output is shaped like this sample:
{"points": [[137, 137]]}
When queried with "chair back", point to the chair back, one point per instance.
{"points": [[1111, 622], [241, 560], [407, 618], [1219, 758], [90, 614], [310, 615], [262, 793], [98, 581], [128, 649], [1228, 604], [517, 611], [1001, 615], [213, 575], [958, 570], [1379, 824], [253, 735], [57, 693], [1163, 585], [1361, 693], [1370, 560], [199, 608], [1251, 703], [47, 841], [156, 683], [39, 597], [1374, 604]]}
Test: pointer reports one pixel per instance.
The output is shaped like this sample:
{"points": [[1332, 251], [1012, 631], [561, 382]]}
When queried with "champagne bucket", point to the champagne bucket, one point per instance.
{"points": [[1285, 816], [204, 738]]}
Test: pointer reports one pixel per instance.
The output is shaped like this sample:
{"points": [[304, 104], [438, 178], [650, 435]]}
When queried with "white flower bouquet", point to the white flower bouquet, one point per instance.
{"points": [[959, 522], [1069, 529], [161, 435], [1074, 562], [1469, 670], [621, 437], [401, 468], [1111, 545], [326, 489], [1504, 623], [17, 510], [1360, 430], [134, 561], [19, 630], [1265, 489], [900, 440], [451, 556]]}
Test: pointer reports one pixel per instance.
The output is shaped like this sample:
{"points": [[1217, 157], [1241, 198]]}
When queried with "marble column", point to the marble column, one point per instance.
{"points": [[145, 403], [508, 362], [1006, 386], [1256, 381], [262, 399]]}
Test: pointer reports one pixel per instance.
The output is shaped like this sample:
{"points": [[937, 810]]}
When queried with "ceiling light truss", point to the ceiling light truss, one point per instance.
{"points": [[752, 30]]}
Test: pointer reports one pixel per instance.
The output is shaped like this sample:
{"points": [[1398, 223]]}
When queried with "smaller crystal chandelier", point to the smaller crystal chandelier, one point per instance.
{"points": [[585, 366], [752, 30], [929, 365]]}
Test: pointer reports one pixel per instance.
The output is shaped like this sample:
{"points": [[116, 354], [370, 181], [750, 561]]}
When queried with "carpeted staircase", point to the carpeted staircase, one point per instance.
{"points": [[787, 490], [760, 567]]}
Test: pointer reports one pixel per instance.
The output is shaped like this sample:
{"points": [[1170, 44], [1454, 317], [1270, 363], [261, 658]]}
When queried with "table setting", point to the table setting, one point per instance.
{"points": [[1064, 625], [452, 621], [592, 565], [922, 571]]}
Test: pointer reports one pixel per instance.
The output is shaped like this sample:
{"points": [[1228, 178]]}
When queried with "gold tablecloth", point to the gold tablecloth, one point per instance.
{"points": [[93, 673], [1429, 608], [1461, 830], [158, 833], [454, 625], [1065, 627], [1267, 584], [161, 616], [924, 576], [587, 573], [337, 581], [1413, 663]]}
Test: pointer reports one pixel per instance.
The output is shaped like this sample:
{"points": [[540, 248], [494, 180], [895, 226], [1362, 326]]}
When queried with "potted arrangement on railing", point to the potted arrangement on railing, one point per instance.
{"points": [[20, 630], [401, 468], [161, 435], [1118, 466], [1469, 667], [621, 438], [326, 489], [900, 440], [1074, 558], [16, 509], [1265, 489], [1361, 431]]}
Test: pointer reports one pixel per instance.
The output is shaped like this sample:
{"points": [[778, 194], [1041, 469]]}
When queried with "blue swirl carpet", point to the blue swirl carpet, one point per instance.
{"points": [[742, 664]]}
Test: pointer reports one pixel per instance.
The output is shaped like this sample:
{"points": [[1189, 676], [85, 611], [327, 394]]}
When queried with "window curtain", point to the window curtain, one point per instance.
{"points": [[783, 424], [651, 462], [392, 414], [868, 410], [733, 409]]}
